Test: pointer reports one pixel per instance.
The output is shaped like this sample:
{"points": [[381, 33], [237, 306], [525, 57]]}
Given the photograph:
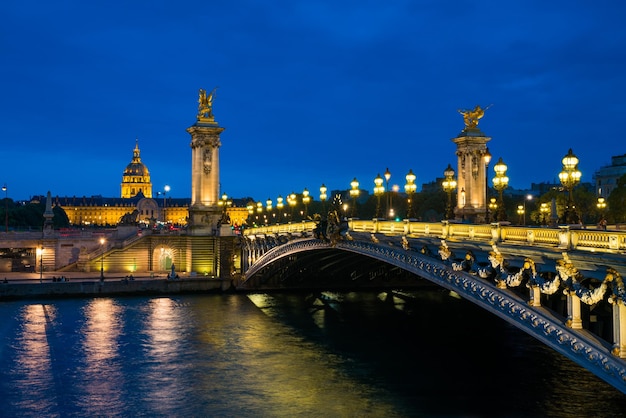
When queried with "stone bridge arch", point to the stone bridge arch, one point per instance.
{"points": [[578, 345]]}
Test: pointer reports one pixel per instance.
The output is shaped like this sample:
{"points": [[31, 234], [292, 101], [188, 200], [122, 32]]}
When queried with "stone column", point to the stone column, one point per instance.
{"points": [[574, 319], [204, 212], [619, 329], [471, 146]]}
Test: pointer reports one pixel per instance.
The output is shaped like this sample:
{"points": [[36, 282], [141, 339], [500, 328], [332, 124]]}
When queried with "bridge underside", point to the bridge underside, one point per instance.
{"points": [[333, 269]]}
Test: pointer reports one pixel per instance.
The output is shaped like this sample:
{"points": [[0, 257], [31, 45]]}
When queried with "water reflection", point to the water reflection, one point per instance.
{"points": [[33, 373], [101, 373], [306, 355]]}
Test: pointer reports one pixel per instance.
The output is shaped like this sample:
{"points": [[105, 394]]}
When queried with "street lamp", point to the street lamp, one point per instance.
{"points": [[40, 255], [354, 193], [529, 197], [250, 208], [291, 199], [280, 205], [379, 190], [306, 199], [544, 208], [166, 190], [102, 259], [500, 182], [487, 158], [493, 205], [449, 184], [410, 189], [387, 177], [323, 197], [6, 207], [520, 212], [570, 177]]}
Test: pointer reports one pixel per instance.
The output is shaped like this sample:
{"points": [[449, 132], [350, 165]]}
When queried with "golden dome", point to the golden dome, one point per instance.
{"points": [[136, 177]]}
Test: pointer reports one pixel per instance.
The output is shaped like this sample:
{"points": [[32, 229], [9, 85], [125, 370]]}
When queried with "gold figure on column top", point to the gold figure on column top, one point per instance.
{"points": [[205, 106], [472, 116]]}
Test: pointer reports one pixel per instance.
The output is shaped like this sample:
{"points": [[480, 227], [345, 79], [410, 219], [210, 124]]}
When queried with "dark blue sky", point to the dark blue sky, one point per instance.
{"points": [[309, 92]]}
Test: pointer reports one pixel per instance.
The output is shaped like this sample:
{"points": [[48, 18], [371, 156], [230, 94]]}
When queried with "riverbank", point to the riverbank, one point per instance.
{"points": [[23, 286]]}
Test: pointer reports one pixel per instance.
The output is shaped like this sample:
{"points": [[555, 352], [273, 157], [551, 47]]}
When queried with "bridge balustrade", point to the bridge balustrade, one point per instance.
{"points": [[562, 237]]}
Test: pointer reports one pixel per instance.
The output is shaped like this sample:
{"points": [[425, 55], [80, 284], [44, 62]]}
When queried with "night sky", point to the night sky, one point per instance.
{"points": [[309, 92]]}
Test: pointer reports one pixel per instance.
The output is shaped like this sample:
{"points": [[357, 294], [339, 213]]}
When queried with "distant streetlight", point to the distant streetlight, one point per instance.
{"points": [[387, 177], [323, 197], [354, 194], [102, 241], [379, 190], [166, 190], [520, 212], [544, 208], [40, 255], [500, 182], [291, 199], [449, 184], [306, 199], [6, 207], [410, 189], [529, 197], [279, 206], [250, 208], [493, 205], [570, 177], [487, 158]]}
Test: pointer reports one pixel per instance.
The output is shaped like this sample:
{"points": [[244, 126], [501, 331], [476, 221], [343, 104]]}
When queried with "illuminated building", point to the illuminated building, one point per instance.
{"points": [[136, 194]]}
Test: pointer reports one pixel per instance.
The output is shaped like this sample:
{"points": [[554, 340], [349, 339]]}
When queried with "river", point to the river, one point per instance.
{"points": [[365, 354]]}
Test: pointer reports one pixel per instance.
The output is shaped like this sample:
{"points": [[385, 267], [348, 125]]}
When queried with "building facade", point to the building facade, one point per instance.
{"points": [[135, 202], [606, 177]]}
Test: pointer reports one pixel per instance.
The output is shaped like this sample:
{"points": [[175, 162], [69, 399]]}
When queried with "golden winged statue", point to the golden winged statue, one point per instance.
{"points": [[472, 116], [205, 105]]}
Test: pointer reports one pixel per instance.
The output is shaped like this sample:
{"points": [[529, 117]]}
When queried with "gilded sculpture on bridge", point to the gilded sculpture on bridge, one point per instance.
{"points": [[205, 105], [472, 116]]}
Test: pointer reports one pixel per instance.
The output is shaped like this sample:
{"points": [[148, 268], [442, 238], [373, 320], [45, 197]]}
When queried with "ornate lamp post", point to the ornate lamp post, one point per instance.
{"points": [[379, 190], [493, 205], [601, 206], [354, 193], [6, 207], [387, 177], [570, 177], [487, 159], [102, 241], [449, 184], [544, 209], [250, 208], [306, 199], [410, 189], [280, 205], [520, 212], [269, 206], [291, 199], [323, 197], [500, 182]]}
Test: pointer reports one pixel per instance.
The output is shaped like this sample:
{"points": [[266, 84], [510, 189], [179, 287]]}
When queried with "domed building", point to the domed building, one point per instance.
{"points": [[136, 198], [136, 177]]}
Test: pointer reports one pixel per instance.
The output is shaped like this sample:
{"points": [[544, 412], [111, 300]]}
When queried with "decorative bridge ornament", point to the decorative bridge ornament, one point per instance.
{"points": [[565, 336]]}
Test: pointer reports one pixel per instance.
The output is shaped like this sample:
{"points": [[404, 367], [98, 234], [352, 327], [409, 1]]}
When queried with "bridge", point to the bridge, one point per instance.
{"points": [[561, 285]]}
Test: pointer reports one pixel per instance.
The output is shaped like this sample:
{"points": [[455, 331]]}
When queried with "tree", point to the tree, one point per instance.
{"points": [[616, 201]]}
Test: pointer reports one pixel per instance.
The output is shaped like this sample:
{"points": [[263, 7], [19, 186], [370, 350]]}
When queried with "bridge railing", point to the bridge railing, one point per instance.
{"points": [[563, 237]]}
